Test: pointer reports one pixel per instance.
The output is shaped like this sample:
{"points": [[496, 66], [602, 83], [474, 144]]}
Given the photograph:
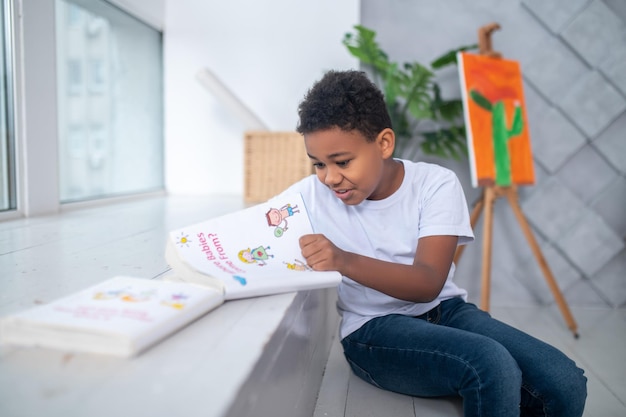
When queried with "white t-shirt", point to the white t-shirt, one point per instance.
{"points": [[430, 201]]}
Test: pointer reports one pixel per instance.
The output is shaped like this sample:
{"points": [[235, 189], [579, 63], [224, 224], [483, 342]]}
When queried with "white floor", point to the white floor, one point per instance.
{"points": [[599, 351]]}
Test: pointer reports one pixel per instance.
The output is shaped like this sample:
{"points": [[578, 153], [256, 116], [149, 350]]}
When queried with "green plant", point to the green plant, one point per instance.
{"points": [[413, 98]]}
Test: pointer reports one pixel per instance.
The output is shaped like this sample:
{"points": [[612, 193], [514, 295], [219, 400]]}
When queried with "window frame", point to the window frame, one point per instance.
{"points": [[35, 111], [7, 49]]}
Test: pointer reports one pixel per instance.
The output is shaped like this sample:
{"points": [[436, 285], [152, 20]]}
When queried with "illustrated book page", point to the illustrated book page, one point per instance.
{"points": [[248, 253], [120, 316]]}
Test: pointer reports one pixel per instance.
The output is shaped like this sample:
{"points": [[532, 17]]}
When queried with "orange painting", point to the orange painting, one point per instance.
{"points": [[495, 118]]}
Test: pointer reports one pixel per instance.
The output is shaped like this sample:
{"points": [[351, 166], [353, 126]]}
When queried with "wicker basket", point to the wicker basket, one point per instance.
{"points": [[272, 162]]}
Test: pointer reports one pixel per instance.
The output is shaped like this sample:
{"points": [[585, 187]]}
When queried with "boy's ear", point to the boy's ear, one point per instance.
{"points": [[387, 142]]}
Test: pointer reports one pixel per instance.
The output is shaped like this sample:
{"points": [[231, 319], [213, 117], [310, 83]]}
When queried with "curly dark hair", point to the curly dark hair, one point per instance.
{"points": [[344, 99]]}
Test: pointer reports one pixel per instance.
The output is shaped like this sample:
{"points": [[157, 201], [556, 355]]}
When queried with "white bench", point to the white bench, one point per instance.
{"points": [[255, 357]]}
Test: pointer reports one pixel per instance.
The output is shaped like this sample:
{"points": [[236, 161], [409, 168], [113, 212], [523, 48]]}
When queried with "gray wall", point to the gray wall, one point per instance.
{"points": [[573, 57]]}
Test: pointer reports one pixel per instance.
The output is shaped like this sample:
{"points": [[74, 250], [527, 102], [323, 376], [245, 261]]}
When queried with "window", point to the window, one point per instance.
{"points": [[7, 132], [110, 89]]}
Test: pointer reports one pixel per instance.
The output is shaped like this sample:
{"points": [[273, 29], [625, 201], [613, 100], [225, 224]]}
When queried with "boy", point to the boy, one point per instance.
{"points": [[391, 228]]}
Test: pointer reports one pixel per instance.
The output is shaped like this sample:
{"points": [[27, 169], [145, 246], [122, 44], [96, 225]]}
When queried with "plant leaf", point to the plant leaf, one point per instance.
{"points": [[450, 57], [449, 110], [416, 90], [445, 142], [363, 46]]}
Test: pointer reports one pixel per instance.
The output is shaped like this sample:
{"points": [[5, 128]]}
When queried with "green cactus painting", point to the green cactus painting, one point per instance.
{"points": [[501, 134], [496, 126]]}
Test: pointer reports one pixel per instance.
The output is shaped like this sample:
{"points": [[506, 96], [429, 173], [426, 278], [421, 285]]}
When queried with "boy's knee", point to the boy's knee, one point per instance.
{"points": [[571, 394], [498, 367], [561, 393], [504, 366], [494, 383]]}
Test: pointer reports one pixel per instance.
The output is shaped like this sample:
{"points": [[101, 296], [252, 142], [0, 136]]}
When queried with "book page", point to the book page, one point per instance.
{"points": [[120, 316], [254, 251]]}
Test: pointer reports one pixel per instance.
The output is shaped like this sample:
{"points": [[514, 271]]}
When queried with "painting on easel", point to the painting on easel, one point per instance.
{"points": [[495, 118]]}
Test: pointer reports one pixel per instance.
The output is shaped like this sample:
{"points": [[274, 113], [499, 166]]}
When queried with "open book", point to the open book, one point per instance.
{"points": [[120, 316], [248, 253]]}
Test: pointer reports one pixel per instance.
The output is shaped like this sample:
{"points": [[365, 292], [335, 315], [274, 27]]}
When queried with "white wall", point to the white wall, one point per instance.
{"points": [[268, 53]]}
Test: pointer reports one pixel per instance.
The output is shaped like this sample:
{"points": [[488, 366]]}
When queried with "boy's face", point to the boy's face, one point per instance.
{"points": [[353, 168]]}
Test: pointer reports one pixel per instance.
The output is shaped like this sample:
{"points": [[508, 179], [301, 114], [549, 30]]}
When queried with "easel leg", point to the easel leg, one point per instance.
{"points": [[511, 195], [478, 208], [489, 199]]}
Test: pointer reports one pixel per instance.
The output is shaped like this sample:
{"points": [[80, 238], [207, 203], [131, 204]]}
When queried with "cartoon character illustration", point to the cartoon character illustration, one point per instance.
{"points": [[278, 218], [298, 265], [257, 255]]}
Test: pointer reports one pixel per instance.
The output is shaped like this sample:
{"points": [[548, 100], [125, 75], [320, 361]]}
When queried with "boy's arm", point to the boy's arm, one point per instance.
{"points": [[420, 282]]}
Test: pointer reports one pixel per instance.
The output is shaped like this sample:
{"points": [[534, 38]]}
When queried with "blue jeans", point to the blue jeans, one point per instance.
{"points": [[457, 349]]}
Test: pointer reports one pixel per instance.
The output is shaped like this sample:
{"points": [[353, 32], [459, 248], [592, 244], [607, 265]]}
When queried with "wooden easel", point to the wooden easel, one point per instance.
{"points": [[489, 195]]}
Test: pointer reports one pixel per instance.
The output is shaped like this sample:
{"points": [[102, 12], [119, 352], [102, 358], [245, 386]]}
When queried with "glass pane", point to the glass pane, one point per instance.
{"points": [[110, 102], [7, 136]]}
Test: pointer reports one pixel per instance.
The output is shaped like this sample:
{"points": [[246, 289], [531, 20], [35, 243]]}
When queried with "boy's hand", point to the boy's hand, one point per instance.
{"points": [[321, 254]]}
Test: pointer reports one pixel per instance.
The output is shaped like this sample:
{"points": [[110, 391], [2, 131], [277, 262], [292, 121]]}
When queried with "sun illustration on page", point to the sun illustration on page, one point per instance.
{"points": [[183, 240]]}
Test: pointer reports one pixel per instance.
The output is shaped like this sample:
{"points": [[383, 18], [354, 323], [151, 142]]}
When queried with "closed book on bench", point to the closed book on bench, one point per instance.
{"points": [[121, 316], [250, 252]]}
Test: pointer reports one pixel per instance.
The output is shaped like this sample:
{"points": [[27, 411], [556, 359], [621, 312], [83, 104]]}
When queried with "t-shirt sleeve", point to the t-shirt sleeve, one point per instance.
{"points": [[444, 208]]}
